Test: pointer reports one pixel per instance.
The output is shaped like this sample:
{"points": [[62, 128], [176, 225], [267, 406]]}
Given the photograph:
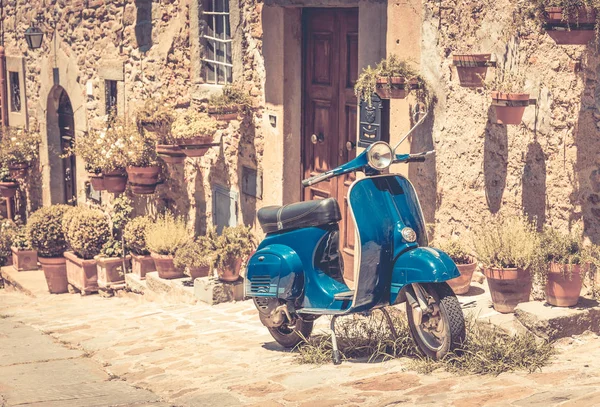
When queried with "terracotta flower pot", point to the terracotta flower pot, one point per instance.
{"points": [[82, 274], [225, 114], [165, 267], [460, 285], [24, 260], [115, 181], [140, 265], [197, 272], [510, 107], [110, 270], [143, 180], [197, 146], [8, 189], [230, 273], [564, 284], [577, 29], [508, 287], [97, 181], [18, 170], [471, 69], [395, 88], [55, 271], [171, 154]]}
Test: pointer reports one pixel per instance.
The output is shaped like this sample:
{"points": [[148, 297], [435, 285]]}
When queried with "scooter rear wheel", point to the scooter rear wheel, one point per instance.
{"points": [[289, 337], [443, 330]]}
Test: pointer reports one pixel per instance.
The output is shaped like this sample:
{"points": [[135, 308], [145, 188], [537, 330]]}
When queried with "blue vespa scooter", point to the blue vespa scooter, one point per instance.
{"points": [[296, 274]]}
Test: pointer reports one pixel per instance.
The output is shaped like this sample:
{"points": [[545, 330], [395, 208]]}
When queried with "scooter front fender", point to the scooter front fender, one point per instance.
{"points": [[420, 265]]}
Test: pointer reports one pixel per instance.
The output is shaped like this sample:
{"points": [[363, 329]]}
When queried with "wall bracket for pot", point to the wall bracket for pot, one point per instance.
{"points": [[474, 64], [514, 103]]}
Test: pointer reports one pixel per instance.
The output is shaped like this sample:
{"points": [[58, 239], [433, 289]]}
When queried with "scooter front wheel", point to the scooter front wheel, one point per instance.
{"points": [[443, 329], [290, 336]]}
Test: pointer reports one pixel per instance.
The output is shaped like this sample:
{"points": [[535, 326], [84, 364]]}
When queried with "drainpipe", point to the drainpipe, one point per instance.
{"points": [[3, 96]]}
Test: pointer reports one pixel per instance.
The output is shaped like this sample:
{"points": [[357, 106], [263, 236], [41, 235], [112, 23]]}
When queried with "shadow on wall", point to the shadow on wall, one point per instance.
{"points": [[587, 168], [247, 158], [495, 161], [143, 24], [534, 184], [424, 175]]}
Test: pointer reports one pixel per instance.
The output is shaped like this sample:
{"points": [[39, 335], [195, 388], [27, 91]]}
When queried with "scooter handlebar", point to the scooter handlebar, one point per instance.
{"points": [[414, 158], [316, 179]]}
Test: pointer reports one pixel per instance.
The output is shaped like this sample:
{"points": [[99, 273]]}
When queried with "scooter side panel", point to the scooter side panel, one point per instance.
{"points": [[421, 265], [275, 271]]}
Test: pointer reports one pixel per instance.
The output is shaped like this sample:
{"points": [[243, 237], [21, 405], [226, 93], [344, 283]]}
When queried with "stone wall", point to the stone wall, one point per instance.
{"points": [[147, 46], [546, 168]]}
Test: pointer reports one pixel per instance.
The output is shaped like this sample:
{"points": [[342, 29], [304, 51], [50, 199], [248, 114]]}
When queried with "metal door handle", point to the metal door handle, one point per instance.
{"points": [[317, 139], [350, 145]]}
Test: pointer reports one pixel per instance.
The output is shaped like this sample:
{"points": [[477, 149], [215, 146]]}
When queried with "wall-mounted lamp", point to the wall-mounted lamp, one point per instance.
{"points": [[34, 36]]}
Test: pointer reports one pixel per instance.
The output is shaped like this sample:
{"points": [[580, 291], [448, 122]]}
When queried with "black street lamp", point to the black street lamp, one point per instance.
{"points": [[34, 36]]}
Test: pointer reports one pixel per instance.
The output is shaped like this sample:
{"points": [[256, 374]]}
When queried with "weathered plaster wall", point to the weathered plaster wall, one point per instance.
{"points": [[546, 168], [152, 49]]}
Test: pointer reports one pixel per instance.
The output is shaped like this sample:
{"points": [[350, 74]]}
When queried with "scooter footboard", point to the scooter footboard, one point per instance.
{"points": [[420, 265], [275, 271]]}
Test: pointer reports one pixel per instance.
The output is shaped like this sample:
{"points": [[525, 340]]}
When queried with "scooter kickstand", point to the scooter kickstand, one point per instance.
{"points": [[336, 356], [390, 323]]}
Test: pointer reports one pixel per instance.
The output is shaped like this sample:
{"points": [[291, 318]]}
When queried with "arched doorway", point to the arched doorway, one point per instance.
{"points": [[61, 136]]}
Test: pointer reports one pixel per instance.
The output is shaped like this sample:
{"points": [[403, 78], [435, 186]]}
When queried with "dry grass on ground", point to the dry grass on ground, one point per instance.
{"points": [[487, 350]]}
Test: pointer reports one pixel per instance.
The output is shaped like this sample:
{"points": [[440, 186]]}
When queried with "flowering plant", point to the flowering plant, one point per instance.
{"points": [[155, 111], [18, 145], [191, 124]]}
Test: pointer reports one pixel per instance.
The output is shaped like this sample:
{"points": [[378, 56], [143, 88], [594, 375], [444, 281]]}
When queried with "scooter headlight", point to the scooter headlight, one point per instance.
{"points": [[380, 155]]}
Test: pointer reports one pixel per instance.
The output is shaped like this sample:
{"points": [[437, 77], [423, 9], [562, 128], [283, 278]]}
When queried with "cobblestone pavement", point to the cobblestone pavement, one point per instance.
{"points": [[196, 355]]}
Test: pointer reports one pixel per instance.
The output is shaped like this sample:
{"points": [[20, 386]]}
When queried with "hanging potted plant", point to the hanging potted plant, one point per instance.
{"points": [[164, 237], [229, 104], [509, 249], [25, 258], [155, 116], [45, 233], [86, 231], [135, 240], [472, 68], [232, 248], [19, 149], [508, 98], [8, 234], [197, 255], [194, 133], [392, 78], [8, 185], [570, 22], [567, 263], [465, 263], [143, 169]]}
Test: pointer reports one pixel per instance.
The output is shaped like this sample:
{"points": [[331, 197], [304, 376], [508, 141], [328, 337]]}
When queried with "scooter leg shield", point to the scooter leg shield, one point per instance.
{"points": [[420, 265]]}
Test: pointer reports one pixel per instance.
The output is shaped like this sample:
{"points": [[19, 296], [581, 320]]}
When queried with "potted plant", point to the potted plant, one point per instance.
{"points": [[464, 262], [141, 160], [45, 233], [7, 235], [19, 148], [570, 22], [227, 105], [392, 78], [197, 255], [471, 68], [509, 249], [135, 239], [155, 116], [86, 231], [508, 98], [8, 185], [232, 248], [164, 237], [111, 265], [193, 133], [568, 261], [23, 255]]}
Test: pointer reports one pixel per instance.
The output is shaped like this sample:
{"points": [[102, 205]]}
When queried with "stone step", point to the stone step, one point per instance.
{"points": [[32, 283]]}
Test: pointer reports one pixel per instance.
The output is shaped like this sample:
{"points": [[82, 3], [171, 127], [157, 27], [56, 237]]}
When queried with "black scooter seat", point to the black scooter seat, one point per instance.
{"points": [[299, 215]]}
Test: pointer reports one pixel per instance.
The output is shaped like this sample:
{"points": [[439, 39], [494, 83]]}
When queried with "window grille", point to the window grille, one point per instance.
{"points": [[15, 92], [217, 51], [111, 97]]}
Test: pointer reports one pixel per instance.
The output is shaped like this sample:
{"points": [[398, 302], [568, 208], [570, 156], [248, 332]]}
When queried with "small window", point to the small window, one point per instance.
{"points": [[111, 97], [15, 92], [217, 51]]}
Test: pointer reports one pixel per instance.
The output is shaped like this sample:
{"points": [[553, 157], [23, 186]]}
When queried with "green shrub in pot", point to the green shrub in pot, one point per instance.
{"points": [[166, 235], [8, 230], [135, 235], [45, 231], [197, 255], [233, 246], [86, 231]]}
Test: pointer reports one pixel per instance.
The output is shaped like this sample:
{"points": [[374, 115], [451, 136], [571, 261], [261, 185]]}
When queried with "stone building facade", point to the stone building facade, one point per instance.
{"points": [[298, 60]]}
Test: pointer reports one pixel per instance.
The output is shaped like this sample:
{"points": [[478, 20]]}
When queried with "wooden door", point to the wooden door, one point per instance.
{"points": [[330, 109], [66, 125]]}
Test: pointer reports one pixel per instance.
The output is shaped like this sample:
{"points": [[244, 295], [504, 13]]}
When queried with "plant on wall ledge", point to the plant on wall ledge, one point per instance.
{"points": [[392, 78], [227, 105], [8, 185], [570, 22], [155, 115], [508, 96], [19, 148], [471, 68]]}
